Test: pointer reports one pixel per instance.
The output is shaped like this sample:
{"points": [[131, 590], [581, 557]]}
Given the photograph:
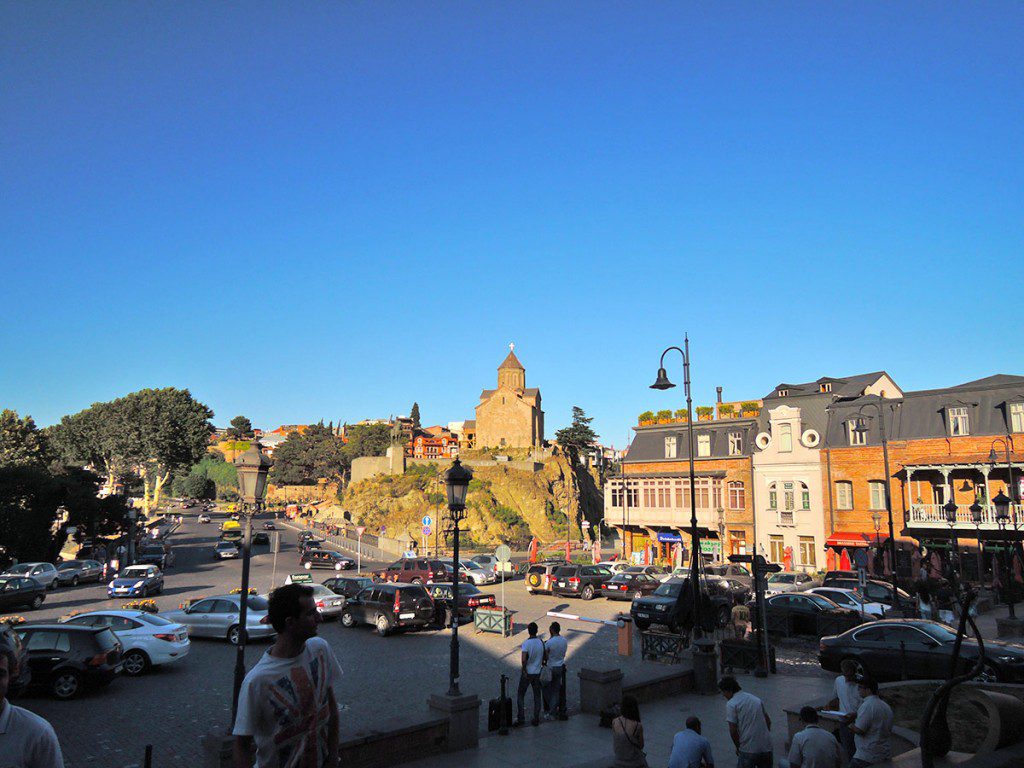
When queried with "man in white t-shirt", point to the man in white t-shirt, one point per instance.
{"points": [[847, 700], [26, 739], [873, 727], [287, 703], [554, 692], [749, 725], [813, 747], [532, 659]]}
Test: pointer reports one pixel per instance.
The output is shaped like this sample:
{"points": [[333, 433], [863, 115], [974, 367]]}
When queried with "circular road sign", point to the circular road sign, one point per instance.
{"points": [[503, 553], [427, 520], [585, 524], [426, 530], [360, 530]]}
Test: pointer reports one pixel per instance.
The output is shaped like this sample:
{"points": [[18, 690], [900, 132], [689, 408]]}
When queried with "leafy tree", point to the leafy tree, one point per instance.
{"points": [[579, 436], [21, 443], [91, 438], [414, 414], [240, 429], [195, 485], [304, 458], [366, 440]]}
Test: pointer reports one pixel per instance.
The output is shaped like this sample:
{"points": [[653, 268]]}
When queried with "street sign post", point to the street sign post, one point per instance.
{"points": [[427, 520], [275, 547], [427, 530], [360, 530], [761, 568], [503, 554]]}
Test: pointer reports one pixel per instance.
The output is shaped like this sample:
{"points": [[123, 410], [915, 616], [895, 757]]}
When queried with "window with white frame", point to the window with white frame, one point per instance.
{"points": [[877, 494], [783, 392], [959, 423], [787, 496], [670, 447], [826, 387], [857, 431], [844, 494], [735, 443], [773, 496], [703, 445], [785, 438], [805, 496], [737, 495], [776, 549], [1017, 417], [807, 551]]}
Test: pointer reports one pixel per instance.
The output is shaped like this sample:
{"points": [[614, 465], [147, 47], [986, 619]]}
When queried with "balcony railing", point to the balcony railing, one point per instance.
{"points": [[661, 516], [934, 516]]}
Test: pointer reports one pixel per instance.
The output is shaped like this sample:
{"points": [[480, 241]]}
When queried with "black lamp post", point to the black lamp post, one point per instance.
{"points": [[1002, 505], [662, 382], [457, 484], [954, 553], [976, 510], [876, 520], [252, 468]]}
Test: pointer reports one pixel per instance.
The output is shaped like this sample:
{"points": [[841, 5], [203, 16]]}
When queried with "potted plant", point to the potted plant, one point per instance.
{"points": [[704, 412], [665, 417], [726, 411], [750, 408], [682, 414], [148, 606], [647, 417]]}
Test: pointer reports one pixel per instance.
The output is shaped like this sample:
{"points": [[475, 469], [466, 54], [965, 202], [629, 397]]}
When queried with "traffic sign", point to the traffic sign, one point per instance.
{"points": [[503, 553], [427, 520], [382, 529], [426, 530], [360, 530], [585, 524]]}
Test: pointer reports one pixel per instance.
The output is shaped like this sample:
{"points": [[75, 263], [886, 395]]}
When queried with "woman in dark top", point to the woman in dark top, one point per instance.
{"points": [[628, 736]]}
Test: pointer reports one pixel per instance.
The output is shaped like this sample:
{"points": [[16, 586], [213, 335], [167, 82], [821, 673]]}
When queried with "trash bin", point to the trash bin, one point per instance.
{"points": [[705, 666], [625, 635]]}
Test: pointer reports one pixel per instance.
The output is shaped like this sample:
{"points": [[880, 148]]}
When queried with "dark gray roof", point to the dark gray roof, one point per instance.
{"points": [[845, 386], [485, 394], [649, 443]]}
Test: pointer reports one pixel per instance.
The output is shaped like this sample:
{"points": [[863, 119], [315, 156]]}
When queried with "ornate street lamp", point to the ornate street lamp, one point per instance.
{"points": [[252, 467], [1002, 504], [950, 509], [456, 482], [976, 511], [662, 382]]}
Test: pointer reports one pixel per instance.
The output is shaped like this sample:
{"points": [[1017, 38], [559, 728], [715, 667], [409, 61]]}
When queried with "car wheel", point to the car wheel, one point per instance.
{"points": [[53, 585], [348, 620], [66, 684], [588, 592], [989, 673], [642, 624], [533, 580], [135, 663], [74, 581], [382, 625], [234, 634], [36, 602]]}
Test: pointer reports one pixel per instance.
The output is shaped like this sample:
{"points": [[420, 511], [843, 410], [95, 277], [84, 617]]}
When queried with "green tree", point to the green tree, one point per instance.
{"points": [[21, 443], [366, 440], [240, 429], [577, 437], [91, 438], [304, 458], [414, 414]]}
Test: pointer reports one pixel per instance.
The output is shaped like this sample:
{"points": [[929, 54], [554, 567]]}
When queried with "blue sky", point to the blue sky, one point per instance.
{"points": [[330, 210]]}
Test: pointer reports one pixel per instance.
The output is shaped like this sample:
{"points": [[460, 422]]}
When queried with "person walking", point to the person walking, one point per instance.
{"points": [[847, 700], [628, 736], [287, 704], [531, 661], [813, 747], [26, 739], [873, 727], [554, 692], [749, 725], [690, 749], [740, 617]]}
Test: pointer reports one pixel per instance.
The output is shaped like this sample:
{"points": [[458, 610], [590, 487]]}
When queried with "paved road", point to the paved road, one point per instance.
{"points": [[386, 679]]}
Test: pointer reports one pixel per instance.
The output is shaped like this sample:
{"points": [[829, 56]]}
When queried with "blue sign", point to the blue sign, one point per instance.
{"points": [[670, 538]]}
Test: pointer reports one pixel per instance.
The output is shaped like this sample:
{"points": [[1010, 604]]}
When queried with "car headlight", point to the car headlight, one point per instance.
{"points": [[660, 607], [110, 585], [1010, 659], [137, 584]]}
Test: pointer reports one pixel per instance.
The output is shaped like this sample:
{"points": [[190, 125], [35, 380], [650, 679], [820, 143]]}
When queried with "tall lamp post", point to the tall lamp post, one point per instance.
{"points": [[1002, 505], [954, 552], [976, 510], [252, 468], [876, 520], [457, 484], [662, 382]]}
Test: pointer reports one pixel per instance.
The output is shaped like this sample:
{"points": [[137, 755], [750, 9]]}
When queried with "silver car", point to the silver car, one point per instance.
{"points": [[44, 573], [476, 573], [218, 617], [328, 602], [790, 581], [75, 571]]}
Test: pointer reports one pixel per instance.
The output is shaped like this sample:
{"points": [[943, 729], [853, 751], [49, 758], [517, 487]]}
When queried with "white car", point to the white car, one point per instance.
{"points": [[203, 518], [852, 599], [615, 566], [476, 573], [148, 639]]}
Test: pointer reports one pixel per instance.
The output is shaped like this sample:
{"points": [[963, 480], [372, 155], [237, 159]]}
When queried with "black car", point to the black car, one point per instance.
{"points": [[325, 558], [153, 553], [348, 586], [629, 584], [11, 641], [260, 538], [801, 611], [17, 591], [470, 598], [390, 608], [875, 591], [671, 605], [881, 648], [269, 526], [65, 659], [311, 543], [579, 580]]}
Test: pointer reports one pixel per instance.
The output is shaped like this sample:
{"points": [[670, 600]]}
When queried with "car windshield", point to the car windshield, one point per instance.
{"points": [[258, 603], [468, 589], [669, 589], [156, 621], [619, 577], [19, 568], [131, 572], [319, 590], [820, 601], [153, 551], [225, 545], [782, 578], [565, 571]]}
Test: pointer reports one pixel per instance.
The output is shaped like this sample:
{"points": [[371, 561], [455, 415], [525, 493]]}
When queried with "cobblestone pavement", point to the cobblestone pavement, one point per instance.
{"points": [[386, 680]]}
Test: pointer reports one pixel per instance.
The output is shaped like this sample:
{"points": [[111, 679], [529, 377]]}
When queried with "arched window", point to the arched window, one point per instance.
{"points": [[785, 438], [737, 495]]}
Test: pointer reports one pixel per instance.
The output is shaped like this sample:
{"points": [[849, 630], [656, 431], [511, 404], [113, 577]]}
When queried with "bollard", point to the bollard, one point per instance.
{"points": [[625, 635], [705, 665]]}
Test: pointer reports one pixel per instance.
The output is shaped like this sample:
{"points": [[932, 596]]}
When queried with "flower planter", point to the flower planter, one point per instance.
{"points": [[492, 620]]}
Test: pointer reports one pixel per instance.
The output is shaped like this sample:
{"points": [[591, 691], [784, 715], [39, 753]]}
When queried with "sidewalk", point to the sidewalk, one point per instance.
{"points": [[581, 742]]}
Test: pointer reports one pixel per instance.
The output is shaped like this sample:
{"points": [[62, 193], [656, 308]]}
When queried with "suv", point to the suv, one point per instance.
{"points": [[579, 580], [540, 576], [732, 571], [65, 659], [390, 608], [348, 586], [416, 570], [154, 553], [325, 558], [672, 603]]}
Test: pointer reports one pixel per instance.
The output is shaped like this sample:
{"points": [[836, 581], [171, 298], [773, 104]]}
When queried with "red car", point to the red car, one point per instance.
{"points": [[416, 570]]}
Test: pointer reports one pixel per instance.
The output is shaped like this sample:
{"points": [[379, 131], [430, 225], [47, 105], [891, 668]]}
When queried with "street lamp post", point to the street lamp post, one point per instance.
{"points": [[662, 383], [457, 484], [876, 520], [252, 468], [954, 552], [129, 550], [1002, 505], [1003, 509], [976, 511]]}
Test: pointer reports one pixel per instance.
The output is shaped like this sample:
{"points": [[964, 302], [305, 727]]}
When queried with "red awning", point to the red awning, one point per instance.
{"points": [[841, 539]]}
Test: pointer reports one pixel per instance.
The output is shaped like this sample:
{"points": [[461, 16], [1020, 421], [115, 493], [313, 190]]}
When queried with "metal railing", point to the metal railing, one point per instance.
{"points": [[934, 515]]}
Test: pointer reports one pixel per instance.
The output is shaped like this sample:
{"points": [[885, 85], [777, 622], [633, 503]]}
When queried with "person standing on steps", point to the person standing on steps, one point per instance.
{"points": [[628, 736], [847, 700], [873, 727], [813, 747], [749, 725], [554, 693], [531, 661]]}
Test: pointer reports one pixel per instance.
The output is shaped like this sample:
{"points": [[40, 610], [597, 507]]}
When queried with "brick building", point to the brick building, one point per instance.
{"points": [[434, 443]]}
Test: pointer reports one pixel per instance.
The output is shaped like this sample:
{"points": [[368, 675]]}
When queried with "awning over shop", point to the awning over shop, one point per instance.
{"points": [[841, 539]]}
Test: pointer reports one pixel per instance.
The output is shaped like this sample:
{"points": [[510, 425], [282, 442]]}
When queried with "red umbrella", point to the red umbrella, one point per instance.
{"points": [[596, 550], [844, 560], [830, 559]]}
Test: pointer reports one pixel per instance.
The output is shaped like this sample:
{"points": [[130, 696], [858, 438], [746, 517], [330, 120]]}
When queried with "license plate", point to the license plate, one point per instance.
{"points": [[561, 583], [407, 615], [643, 615]]}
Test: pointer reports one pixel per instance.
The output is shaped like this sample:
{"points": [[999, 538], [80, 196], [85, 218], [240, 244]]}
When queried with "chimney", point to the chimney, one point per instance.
{"points": [[719, 391]]}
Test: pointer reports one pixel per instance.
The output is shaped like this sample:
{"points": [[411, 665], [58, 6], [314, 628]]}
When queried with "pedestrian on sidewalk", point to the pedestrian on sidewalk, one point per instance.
{"points": [[690, 749], [531, 661], [847, 700], [740, 617], [628, 736], [873, 727], [749, 725], [287, 703], [554, 692], [813, 747], [26, 739]]}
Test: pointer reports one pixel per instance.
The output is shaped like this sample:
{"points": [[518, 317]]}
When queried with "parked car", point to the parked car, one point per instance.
{"points": [[390, 608], [470, 598], [232, 536], [876, 591], [204, 518], [147, 639], [219, 617], [540, 576], [881, 647], [733, 571], [348, 586], [850, 599], [475, 573], [492, 564], [416, 570], [261, 538], [16, 591], [831, 576], [224, 550], [671, 604], [579, 580], [65, 660], [74, 572], [628, 584], [731, 589], [326, 558], [615, 566], [154, 553], [802, 610], [328, 603], [44, 573], [269, 526], [136, 581], [790, 581], [11, 641]]}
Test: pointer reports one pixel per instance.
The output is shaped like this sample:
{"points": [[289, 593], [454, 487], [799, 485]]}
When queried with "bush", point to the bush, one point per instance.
{"points": [[647, 416], [705, 410], [749, 406], [726, 410], [683, 413], [665, 414]]}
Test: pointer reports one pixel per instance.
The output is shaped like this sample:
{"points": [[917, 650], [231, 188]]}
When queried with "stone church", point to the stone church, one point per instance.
{"points": [[510, 416]]}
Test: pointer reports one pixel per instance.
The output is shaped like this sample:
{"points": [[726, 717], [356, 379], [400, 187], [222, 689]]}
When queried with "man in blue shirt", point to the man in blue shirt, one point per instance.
{"points": [[690, 749]]}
